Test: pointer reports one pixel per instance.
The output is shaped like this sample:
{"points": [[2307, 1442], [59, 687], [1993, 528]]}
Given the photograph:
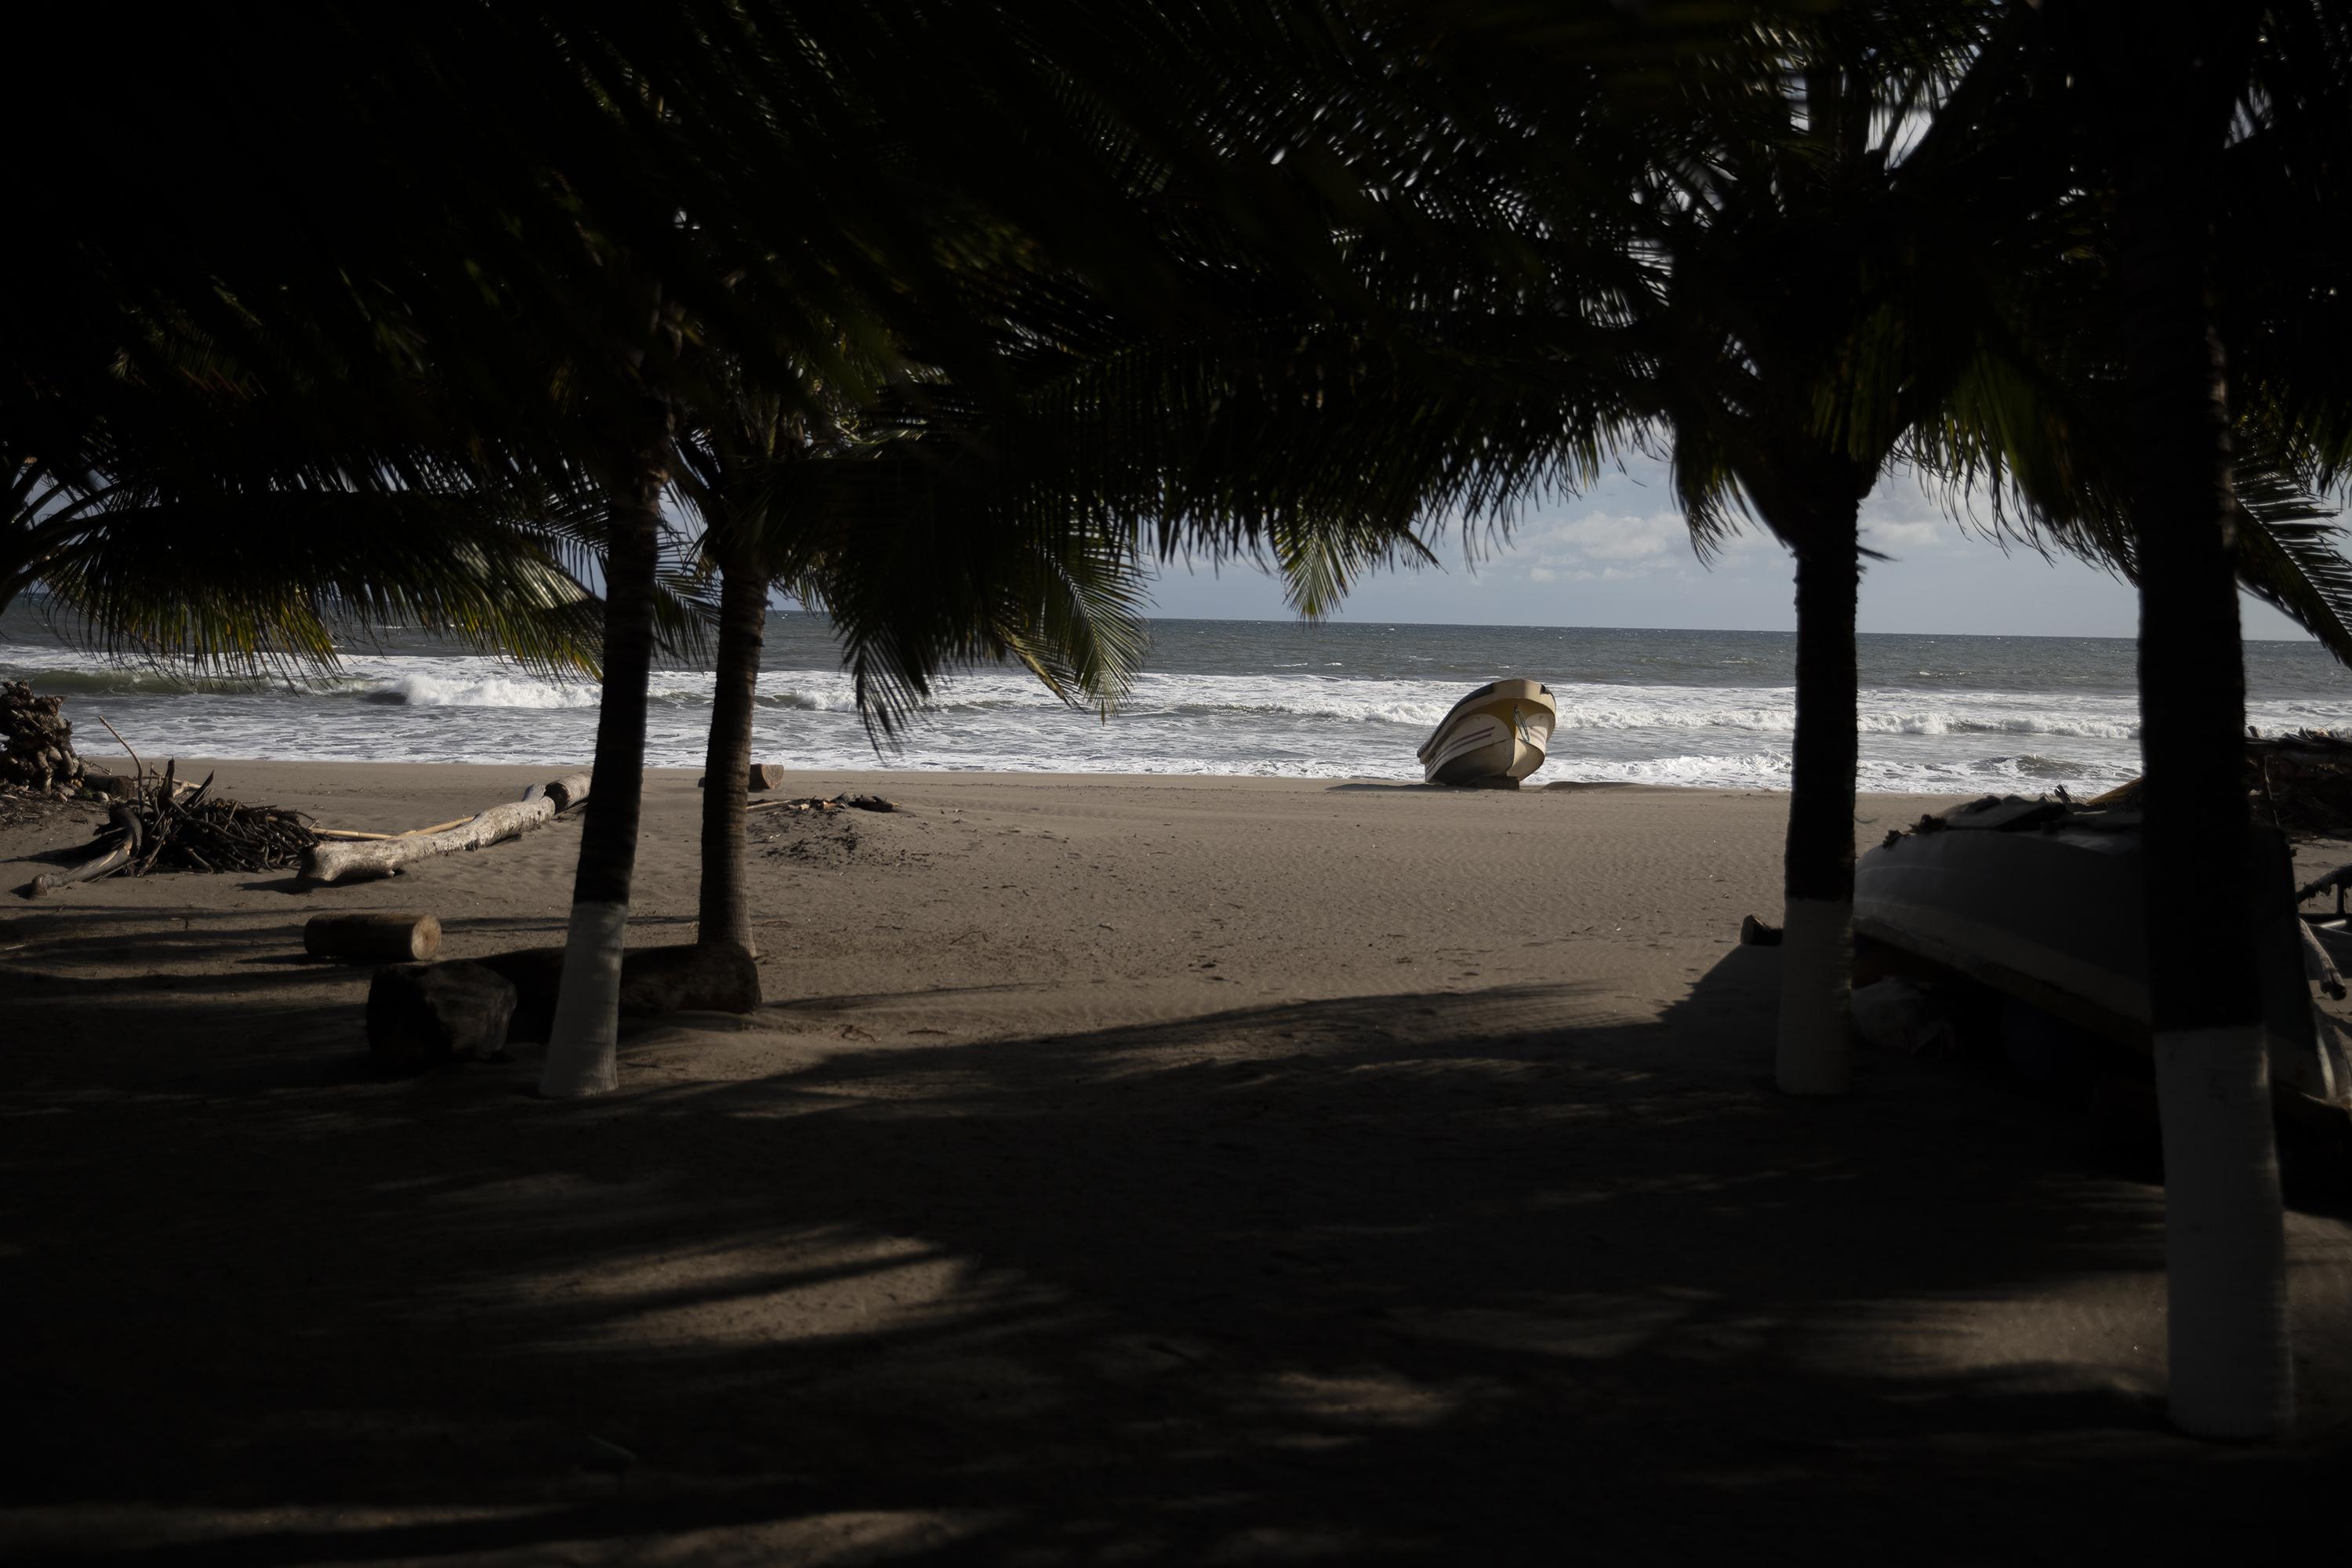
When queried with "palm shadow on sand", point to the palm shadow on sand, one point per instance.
{"points": [[1455, 1276]]}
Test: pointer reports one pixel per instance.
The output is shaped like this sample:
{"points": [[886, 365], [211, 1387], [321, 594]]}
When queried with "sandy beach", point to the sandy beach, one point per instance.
{"points": [[1121, 1170]]}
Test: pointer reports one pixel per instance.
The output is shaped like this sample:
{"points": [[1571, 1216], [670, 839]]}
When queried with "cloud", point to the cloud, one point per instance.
{"points": [[1920, 535], [1628, 544]]}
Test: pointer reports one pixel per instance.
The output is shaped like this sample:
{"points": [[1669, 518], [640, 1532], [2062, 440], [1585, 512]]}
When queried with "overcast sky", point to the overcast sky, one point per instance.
{"points": [[1620, 556]]}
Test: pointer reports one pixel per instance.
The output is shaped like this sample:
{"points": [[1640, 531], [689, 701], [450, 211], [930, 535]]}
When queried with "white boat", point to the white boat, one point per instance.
{"points": [[1498, 731], [2042, 903]]}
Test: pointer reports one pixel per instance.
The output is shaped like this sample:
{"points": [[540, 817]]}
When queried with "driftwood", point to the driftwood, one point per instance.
{"points": [[354, 860], [356, 835], [702, 977], [566, 791], [121, 843], [402, 935], [420, 1015], [2317, 966], [363, 860]]}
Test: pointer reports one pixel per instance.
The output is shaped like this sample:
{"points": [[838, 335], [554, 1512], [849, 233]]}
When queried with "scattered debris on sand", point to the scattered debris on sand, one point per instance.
{"points": [[828, 831], [825, 802]]}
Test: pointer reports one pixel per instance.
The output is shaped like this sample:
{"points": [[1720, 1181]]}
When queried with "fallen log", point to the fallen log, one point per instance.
{"points": [[699, 977], [399, 935], [421, 1015], [351, 861]]}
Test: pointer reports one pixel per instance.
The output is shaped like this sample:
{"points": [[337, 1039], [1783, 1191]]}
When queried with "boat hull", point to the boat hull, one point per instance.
{"points": [[1499, 733], [2054, 919]]}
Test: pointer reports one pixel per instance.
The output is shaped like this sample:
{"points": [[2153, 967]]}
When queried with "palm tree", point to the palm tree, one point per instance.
{"points": [[2225, 1242], [2201, 120], [2215, 121], [925, 576]]}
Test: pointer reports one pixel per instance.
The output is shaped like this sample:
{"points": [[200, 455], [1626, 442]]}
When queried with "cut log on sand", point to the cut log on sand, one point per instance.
{"points": [[764, 777], [421, 1015], [699, 977], [399, 935], [359, 860]]}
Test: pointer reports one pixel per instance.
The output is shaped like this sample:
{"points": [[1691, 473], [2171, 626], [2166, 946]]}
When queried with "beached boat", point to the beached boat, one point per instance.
{"points": [[1498, 731], [2041, 902]]}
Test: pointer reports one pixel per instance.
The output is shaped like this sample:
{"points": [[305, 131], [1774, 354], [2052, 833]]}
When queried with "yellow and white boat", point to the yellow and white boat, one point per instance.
{"points": [[1498, 731]]}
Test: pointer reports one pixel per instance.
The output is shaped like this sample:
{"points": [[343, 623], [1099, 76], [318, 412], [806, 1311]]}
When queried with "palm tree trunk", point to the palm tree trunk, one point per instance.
{"points": [[2225, 1241], [725, 914], [1814, 1053], [581, 1050]]}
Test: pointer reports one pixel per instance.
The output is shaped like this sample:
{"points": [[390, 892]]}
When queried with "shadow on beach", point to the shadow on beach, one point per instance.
{"points": [[1486, 1275]]}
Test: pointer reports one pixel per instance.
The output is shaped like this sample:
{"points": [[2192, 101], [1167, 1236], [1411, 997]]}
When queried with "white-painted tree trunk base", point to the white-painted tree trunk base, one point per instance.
{"points": [[1814, 1053], [584, 1042], [2224, 1235]]}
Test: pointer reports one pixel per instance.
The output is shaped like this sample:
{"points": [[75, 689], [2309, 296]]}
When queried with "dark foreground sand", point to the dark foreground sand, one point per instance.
{"points": [[1121, 1170]]}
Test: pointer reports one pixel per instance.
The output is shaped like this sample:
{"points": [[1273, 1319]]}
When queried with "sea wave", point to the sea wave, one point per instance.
{"points": [[460, 681], [1295, 721]]}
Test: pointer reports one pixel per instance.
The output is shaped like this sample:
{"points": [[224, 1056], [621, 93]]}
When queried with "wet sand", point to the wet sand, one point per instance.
{"points": [[1121, 1170]]}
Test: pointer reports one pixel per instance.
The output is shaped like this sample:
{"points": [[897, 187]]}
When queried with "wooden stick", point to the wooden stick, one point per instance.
{"points": [[409, 833], [138, 768]]}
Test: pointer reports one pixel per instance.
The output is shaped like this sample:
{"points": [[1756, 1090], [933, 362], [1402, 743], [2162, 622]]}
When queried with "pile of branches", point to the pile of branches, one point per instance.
{"points": [[197, 831], [168, 826], [37, 749]]}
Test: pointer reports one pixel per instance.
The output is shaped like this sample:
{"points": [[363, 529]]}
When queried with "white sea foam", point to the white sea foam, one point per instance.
{"points": [[1277, 713]]}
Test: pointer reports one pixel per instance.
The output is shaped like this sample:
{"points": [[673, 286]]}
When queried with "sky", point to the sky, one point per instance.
{"points": [[1619, 556]]}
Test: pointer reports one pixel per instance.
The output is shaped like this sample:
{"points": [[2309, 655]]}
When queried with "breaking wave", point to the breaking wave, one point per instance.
{"points": [[1701, 710]]}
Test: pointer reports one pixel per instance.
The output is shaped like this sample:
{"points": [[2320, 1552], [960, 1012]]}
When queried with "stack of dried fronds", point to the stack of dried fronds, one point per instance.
{"points": [[37, 749]]}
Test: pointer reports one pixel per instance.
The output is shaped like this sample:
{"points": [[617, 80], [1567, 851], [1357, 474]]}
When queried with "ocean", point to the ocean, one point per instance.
{"points": [[1939, 714]]}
